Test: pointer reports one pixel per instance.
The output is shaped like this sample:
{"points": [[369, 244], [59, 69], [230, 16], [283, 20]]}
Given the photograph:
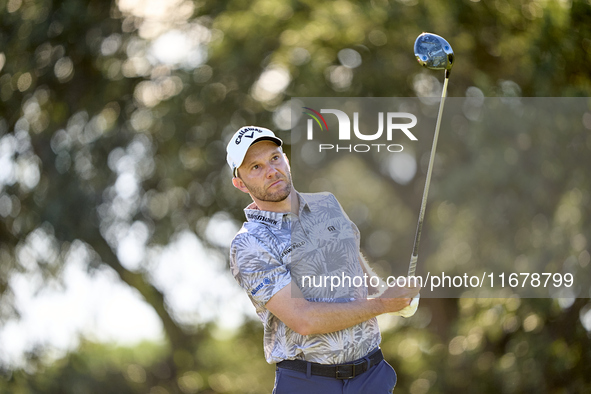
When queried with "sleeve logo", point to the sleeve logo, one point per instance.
{"points": [[265, 281]]}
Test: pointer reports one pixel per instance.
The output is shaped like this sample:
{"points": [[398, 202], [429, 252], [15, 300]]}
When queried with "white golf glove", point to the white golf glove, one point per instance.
{"points": [[411, 309]]}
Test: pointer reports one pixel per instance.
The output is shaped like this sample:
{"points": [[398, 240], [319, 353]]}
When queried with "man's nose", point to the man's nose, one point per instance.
{"points": [[271, 171]]}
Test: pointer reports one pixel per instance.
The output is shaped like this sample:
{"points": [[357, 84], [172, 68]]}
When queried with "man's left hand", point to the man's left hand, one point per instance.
{"points": [[410, 309]]}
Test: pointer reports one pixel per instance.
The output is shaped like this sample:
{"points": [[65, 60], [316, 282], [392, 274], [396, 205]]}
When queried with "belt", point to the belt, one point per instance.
{"points": [[338, 371]]}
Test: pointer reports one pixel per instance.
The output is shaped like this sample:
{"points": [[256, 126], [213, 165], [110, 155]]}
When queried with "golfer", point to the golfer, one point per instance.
{"points": [[322, 336]]}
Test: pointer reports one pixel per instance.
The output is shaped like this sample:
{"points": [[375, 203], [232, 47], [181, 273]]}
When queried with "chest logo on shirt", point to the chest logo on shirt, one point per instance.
{"points": [[331, 228], [291, 248]]}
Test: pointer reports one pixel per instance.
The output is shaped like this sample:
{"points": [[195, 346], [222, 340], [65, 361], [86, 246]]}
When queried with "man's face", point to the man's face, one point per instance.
{"points": [[265, 172]]}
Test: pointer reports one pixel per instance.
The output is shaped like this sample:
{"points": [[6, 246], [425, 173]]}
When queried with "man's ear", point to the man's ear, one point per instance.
{"points": [[238, 184], [286, 159]]}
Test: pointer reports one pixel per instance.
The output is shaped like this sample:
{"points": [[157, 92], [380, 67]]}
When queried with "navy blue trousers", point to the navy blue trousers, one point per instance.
{"points": [[379, 379]]}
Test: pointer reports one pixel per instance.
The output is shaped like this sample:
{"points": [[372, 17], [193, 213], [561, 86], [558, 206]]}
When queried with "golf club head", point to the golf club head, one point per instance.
{"points": [[433, 52]]}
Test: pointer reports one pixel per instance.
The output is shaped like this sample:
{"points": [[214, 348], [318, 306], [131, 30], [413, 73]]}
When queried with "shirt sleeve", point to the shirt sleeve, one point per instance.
{"points": [[257, 269]]}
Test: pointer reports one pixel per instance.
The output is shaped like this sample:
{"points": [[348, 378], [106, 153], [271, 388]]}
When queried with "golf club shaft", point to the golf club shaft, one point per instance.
{"points": [[415, 250]]}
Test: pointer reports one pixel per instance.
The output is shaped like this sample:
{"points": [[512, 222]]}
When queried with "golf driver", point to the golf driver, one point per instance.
{"points": [[434, 53]]}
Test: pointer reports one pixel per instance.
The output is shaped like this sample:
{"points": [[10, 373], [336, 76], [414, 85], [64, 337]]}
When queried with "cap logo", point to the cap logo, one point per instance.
{"points": [[243, 132]]}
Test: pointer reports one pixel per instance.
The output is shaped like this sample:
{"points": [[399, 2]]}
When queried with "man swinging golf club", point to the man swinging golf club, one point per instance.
{"points": [[318, 347], [322, 339]]}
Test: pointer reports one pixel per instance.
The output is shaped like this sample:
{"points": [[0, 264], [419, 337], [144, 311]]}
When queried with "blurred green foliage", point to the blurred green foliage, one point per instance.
{"points": [[148, 367], [85, 102]]}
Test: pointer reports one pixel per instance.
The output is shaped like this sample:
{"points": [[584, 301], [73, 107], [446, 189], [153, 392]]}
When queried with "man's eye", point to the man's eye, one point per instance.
{"points": [[256, 166]]}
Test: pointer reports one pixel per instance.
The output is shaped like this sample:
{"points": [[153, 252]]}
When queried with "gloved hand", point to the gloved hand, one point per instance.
{"points": [[411, 309]]}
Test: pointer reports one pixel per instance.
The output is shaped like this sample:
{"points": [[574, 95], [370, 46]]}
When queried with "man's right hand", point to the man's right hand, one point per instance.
{"points": [[309, 318], [396, 298]]}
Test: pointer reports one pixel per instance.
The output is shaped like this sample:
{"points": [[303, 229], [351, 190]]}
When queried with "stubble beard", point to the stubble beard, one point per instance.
{"points": [[276, 196]]}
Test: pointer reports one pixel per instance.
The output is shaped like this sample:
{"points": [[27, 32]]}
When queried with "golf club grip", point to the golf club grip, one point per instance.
{"points": [[413, 265], [415, 249]]}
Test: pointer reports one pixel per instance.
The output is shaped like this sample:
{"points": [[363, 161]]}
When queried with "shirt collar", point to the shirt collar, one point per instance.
{"points": [[254, 214], [303, 204], [273, 219]]}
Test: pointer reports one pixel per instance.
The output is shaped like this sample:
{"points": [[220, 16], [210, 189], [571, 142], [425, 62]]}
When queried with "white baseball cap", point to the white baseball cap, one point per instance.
{"points": [[242, 140]]}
